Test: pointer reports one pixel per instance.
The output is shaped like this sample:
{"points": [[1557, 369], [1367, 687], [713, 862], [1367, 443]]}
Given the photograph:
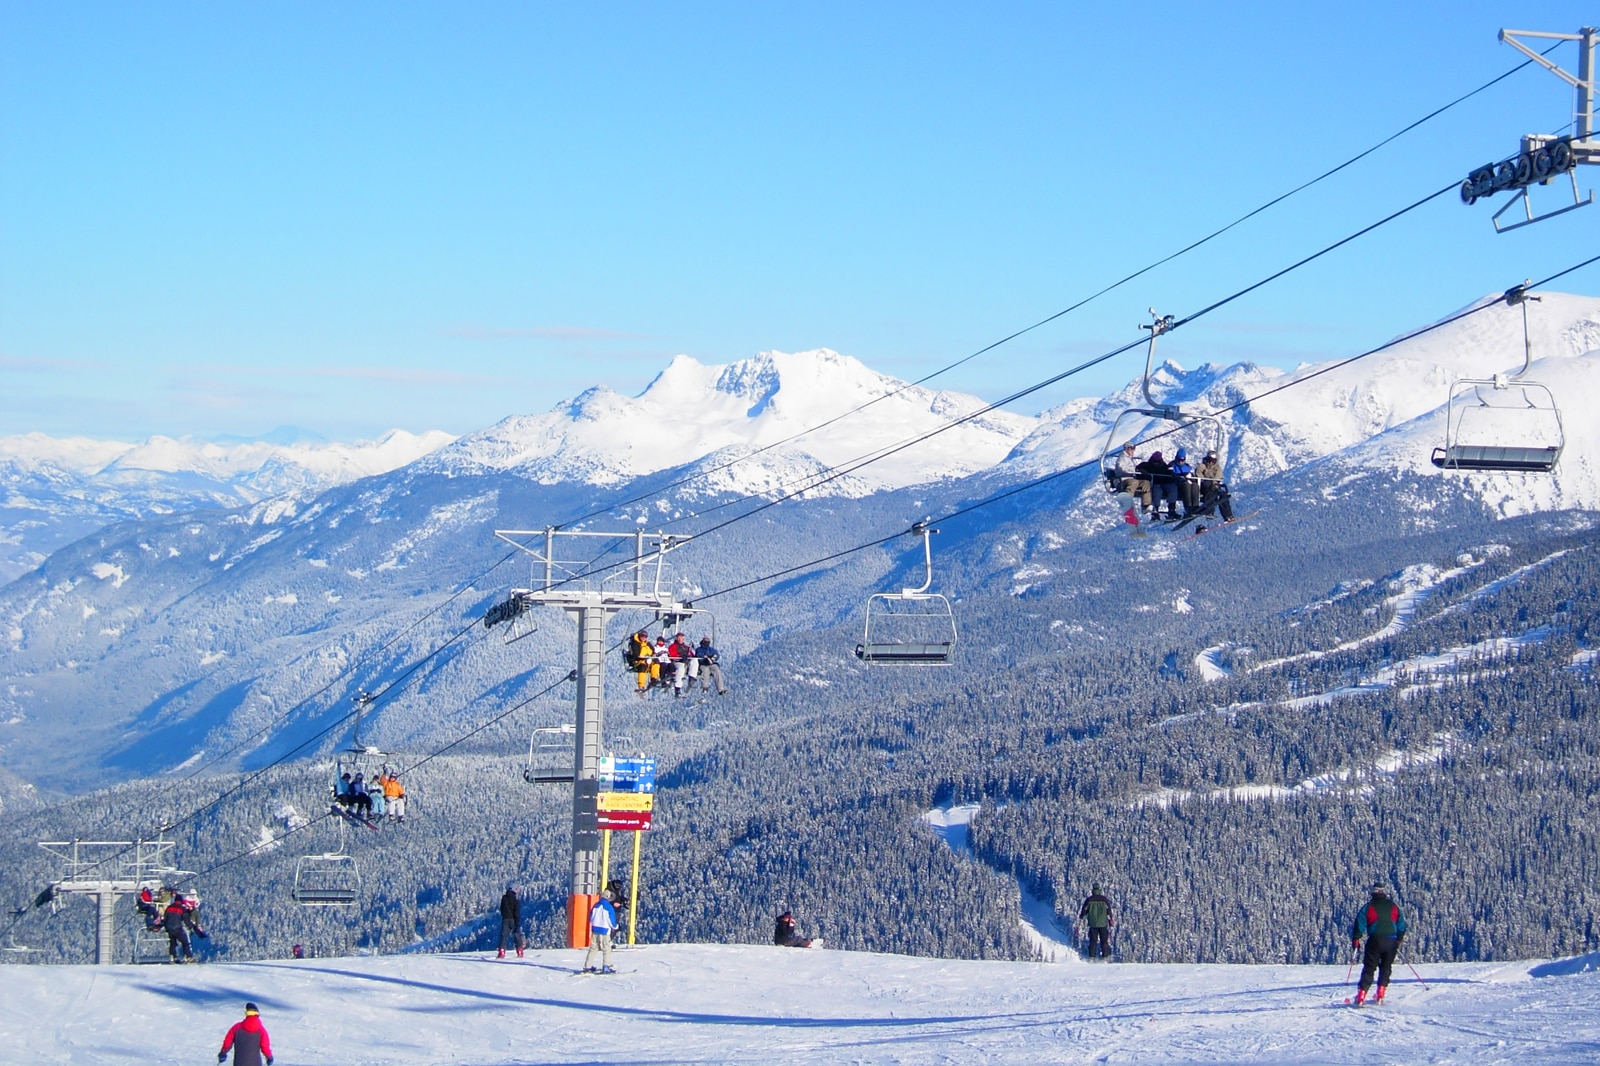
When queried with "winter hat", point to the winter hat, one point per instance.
{"points": [[251, 1008], [1183, 453], [705, 640], [1155, 457], [1097, 887], [1378, 889]]}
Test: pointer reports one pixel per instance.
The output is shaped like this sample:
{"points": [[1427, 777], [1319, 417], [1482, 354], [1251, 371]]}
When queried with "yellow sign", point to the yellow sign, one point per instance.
{"points": [[627, 801]]}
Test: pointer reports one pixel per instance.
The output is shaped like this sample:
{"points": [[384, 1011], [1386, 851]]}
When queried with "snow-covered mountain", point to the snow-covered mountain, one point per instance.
{"points": [[710, 415], [184, 630], [1382, 413], [56, 489]]}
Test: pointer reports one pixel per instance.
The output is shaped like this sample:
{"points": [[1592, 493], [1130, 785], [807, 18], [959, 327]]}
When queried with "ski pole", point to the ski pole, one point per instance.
{"points": [[1415, 974], [1348, 970]]}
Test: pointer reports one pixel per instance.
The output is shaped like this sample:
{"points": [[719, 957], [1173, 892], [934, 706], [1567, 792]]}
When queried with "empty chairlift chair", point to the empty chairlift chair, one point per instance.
{"points": [[1513, 428], [331, 879], [552, 756], [912, 627]]}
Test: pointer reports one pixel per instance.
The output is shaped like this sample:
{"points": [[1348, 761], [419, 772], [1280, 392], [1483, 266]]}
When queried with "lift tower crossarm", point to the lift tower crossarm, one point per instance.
{"points": [[1583, 81]]}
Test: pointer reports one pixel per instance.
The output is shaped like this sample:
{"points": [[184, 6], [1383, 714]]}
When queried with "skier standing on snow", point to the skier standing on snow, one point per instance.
{"points": [[248, 1039], [1097, 909], [510, 921], [602, 921], [1381, 922]]}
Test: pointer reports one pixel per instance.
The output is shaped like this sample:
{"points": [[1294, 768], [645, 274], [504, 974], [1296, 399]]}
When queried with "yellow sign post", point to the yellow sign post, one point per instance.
{"points": [[633, 891]]}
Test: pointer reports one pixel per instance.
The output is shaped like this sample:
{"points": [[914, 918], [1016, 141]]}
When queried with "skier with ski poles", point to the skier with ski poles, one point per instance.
{"points": [[1097, 909], [248, 1040], [1384, 927], [602, 922]]}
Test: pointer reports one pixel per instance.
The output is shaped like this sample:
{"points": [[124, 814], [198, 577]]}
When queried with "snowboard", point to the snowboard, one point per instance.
{"points": [[353, 817]]}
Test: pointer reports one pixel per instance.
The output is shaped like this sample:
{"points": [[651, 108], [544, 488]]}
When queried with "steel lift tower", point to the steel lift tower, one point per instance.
{"points": [[106, 869], [591, 592]]}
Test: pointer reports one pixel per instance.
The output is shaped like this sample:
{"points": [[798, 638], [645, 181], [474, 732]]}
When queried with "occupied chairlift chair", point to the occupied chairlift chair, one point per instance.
{"points": [[1198, 431], [912, 627], [1540, 437]]}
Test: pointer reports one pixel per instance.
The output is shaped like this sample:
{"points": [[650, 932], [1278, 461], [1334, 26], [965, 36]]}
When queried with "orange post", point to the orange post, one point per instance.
{"points": [[578, 906]]}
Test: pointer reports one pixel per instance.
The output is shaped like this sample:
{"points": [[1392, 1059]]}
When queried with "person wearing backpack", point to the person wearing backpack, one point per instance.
{"points": [[1096, 910], [1384, 927]]}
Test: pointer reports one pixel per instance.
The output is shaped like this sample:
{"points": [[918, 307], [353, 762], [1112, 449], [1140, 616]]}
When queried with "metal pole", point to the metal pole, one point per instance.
{"points": [[605, 858], [633, 891], [1584, 126], [586, 772], [105, 932]]}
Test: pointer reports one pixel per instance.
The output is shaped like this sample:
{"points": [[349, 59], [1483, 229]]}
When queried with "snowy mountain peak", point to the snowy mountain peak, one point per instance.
{"points": [[692, 411]]}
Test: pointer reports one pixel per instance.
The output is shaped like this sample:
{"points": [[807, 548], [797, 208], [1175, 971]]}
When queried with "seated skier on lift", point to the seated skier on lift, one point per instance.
{"points": [[1125, 476], [1214, 496]]}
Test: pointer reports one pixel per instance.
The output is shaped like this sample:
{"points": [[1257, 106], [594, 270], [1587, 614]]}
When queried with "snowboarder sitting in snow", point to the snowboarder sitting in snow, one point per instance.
{"points": [[1097, 910], [1381, 922], [785, 936], [602, 922], [248, 1039]]}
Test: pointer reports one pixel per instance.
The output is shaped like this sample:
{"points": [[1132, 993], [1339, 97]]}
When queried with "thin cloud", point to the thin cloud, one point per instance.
{"points": [[45, 366], [398, 375], [557, 333]]}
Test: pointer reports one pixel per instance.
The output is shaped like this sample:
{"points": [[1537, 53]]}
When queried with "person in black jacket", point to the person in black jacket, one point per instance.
{"points": [[785, 935], [1163, 486], [510, 921]]}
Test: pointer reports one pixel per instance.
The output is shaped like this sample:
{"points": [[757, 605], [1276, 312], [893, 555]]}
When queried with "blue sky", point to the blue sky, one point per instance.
{"points": [[218, 219]]}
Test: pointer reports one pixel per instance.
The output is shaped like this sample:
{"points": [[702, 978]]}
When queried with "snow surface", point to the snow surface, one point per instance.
{"points": [[323, 463], [748, 1004]]}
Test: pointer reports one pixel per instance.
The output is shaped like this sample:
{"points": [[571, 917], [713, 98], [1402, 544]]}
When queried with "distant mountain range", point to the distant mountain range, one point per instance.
{"points": [[205, 590], [54, 490]]}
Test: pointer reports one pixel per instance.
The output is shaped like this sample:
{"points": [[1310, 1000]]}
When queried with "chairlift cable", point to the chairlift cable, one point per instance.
{"points": [[1078, 467], [850, 466], [1084, 301], [421, 762], [872, 457]]}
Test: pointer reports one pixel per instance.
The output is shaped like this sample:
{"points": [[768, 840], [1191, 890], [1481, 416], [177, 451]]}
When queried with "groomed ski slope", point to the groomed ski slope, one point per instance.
{"points": [[733, 1004]]}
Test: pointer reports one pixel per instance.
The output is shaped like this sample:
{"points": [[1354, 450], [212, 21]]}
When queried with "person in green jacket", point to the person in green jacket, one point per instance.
{"points": [[1096, 910]]}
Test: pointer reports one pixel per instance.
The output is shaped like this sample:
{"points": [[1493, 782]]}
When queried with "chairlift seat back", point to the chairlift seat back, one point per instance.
{"points": [[906, 654]]}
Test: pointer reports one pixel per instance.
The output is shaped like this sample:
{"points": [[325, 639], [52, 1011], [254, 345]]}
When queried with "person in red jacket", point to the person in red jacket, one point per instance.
{"points": [[248, 1039]]}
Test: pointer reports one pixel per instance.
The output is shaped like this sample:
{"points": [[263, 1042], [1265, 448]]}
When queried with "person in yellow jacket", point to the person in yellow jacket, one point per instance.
{"points": [[394, 797]]}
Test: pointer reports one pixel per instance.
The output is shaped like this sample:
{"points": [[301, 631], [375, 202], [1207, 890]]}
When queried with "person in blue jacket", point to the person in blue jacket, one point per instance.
{"points": [[1384, 927], [602, 923], [1183, 470]]}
